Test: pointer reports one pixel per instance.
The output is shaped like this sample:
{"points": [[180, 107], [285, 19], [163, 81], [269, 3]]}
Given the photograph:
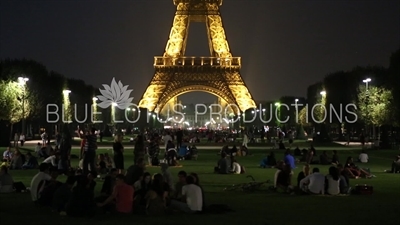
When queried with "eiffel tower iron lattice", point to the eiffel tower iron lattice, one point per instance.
{"points": [[176, 74]]}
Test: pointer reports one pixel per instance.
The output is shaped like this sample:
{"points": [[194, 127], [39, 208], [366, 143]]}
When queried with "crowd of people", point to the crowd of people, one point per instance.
{"points": [[134, 190]]}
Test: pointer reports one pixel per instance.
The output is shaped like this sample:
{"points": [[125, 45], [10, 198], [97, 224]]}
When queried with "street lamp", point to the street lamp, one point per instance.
{"points": [[95, 99], [66, 92], [22, 82], [323, 93], [366, 81]]}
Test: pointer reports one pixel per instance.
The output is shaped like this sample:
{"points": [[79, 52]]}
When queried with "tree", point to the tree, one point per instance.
{"points": [[15, 102], [374, 105], [303, 117]]}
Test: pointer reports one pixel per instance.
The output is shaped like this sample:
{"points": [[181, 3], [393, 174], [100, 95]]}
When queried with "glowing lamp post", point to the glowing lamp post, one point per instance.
{"points": [[67, 104], [278, 108], [94, 105], [22, 82], [366, 81]]}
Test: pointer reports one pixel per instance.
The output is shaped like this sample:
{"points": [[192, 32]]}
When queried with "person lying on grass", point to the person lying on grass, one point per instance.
{"points": [[354, 171]]}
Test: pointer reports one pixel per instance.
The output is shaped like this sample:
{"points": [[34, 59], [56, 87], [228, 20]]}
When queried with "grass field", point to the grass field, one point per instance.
{"points": [[259, 208]]}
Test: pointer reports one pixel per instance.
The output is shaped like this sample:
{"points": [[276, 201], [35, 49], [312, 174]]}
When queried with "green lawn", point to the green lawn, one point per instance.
{"points": [[251, 208]]}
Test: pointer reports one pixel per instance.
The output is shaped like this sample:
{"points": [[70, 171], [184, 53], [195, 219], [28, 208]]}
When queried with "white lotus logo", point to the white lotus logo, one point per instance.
{"points": [[116, 94]]}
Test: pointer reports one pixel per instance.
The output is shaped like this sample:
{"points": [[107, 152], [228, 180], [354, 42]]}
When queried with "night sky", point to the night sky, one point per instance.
{"points": [[285, 45]]}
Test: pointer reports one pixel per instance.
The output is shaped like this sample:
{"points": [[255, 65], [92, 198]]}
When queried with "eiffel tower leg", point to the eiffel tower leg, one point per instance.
{"points": [[178, 35], [218, 38], [221, 49]]}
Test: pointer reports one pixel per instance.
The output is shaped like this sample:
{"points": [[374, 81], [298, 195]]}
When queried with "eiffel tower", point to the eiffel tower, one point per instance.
{"points": [[176, 74]]}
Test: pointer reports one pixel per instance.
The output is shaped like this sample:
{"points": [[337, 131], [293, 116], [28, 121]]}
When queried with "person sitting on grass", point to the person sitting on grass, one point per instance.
{"points": [[6, 181], [157, 197], [81, 202], [134, 172], [283, 177], [8, 155], [225, 149], [141, 187], [62, 195], [303, 174], [335, 158], [192, 199], [234, 150], [304, 154], [333, 181], [289, 159], [37, 179], [311, 157], [37, 148], [324, 159], [297, 151], [354, 171], [109, 161], [269, 161], [222, 165], [109, 182], [101, 165], [177, 193], [52, 160], [363, 157], [313, 183], [167, 176], [49, 187], [395, 166], [344, 180], [236, 168], [17, 160], [244, 151], [31, 162], [197, 182], [121, 199], [42, 153]]}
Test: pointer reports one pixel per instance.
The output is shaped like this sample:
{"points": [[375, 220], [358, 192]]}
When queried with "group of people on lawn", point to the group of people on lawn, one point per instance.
{"points": [[136, 191], [311, 180], [133, 191]]}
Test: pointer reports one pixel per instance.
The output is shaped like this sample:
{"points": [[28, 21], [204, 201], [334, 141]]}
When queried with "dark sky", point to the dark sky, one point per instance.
{"points": [[285, 45]]}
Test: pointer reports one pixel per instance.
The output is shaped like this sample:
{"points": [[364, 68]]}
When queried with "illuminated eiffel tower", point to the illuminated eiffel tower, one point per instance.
{"points": [[176, 74]]}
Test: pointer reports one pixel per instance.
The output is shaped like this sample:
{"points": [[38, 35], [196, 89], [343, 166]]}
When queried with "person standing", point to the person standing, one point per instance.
{"points": [[179, 137], [16, 139], [118, 154], [245, 139], [44, 138], [167, 138], [89, 156], [139, 150], [22, 139]]}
